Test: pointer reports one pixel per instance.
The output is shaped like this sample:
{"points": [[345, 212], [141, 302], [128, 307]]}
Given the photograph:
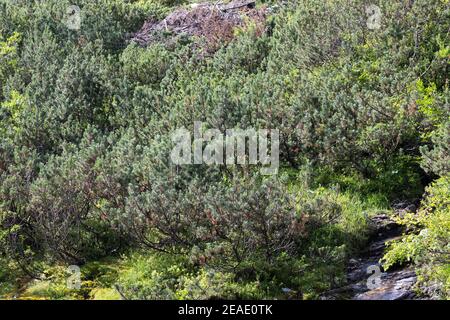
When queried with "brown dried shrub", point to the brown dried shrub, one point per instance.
{"points": [[214, 24]]}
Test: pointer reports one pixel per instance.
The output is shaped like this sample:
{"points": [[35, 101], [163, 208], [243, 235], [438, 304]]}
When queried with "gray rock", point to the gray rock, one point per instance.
{"points": [[395, 284]]}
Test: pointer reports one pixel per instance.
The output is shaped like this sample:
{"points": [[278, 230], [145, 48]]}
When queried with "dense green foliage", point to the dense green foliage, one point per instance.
{"points": [[428, 248], [86, 118]]}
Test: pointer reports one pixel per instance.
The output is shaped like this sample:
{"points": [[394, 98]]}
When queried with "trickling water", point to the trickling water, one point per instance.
{"points": [[392, 285]]}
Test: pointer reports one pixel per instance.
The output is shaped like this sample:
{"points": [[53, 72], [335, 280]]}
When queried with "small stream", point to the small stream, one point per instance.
{"points": [[366, 279]]}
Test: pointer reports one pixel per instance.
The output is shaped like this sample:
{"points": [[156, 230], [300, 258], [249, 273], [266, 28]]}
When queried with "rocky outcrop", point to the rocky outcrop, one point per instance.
{"points": [[395, 284]]}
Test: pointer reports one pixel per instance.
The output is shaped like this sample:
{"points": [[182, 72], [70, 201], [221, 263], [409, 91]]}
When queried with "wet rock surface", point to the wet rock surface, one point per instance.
{"points": [[395, 284]]}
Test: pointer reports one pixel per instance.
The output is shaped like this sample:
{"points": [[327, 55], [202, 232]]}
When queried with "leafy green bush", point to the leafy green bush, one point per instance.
{"points": [[437, 158], [429, 248], [8, 58]]}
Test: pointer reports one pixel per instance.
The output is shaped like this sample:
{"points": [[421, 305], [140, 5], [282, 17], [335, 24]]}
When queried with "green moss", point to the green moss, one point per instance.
{"points": [[105, 294]]}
